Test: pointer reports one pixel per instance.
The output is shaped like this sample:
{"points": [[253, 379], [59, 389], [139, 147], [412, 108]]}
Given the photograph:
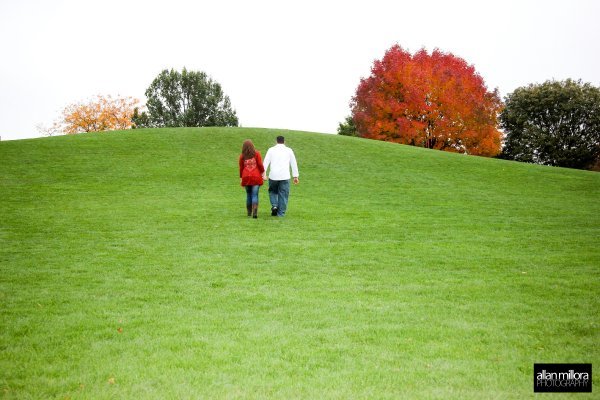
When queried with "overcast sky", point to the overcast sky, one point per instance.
{"points": [[284, 64]]}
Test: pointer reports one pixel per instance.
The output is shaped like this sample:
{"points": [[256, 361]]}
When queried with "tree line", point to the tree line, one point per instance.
{"points": [[174, 99], [439, 101], [434, 100]]}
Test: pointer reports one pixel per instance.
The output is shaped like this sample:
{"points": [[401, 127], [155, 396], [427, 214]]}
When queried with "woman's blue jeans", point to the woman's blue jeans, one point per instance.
{"points": [[252, 194]]}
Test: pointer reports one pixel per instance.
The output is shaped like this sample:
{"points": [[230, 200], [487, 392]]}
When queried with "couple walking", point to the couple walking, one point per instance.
{"points": [[253, 172]]}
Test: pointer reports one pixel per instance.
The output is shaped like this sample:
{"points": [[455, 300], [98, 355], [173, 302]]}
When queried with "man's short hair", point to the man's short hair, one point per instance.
{"points": [[280, 139]]}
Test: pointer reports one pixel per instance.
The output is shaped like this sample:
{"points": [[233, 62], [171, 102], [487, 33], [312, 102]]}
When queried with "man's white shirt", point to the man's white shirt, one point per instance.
{"points": [[280, 158]]}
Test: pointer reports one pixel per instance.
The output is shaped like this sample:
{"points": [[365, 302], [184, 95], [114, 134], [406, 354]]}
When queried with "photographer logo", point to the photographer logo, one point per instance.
{"points": [[562, 378]]}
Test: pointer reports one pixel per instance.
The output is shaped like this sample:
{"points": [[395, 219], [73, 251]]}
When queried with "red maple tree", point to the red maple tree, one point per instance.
{"points": [[436, 100]]}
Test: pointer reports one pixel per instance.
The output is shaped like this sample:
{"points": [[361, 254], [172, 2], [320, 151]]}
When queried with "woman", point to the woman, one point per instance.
{"points": [[251, 170]]}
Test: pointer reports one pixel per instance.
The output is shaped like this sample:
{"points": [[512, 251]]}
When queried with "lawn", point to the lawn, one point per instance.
{"points": [[128, 269]]}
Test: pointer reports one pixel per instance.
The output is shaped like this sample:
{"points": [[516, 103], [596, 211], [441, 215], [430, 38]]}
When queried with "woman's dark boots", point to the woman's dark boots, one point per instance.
{"points": [[249, 208], [254, 210]]}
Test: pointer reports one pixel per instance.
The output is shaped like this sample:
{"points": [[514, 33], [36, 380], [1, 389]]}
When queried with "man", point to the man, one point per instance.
{"points": [[280, 158]]}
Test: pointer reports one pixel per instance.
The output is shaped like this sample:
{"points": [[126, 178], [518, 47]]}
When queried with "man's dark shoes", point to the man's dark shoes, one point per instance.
{"points": [[273, 211]]}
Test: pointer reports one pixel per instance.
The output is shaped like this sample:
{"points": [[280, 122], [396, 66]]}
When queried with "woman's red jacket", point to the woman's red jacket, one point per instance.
{"points": [[251, 170]]}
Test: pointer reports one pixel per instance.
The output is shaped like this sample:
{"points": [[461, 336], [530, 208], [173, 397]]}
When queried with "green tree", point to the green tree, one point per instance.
{"points": [[189, 98], [347, 128], [140, 119], [554, 123]]}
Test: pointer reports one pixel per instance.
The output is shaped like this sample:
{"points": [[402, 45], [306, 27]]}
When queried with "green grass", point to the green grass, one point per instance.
{"points": [[128, 269]]}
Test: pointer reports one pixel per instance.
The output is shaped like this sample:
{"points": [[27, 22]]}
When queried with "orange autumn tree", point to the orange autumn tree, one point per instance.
{"points": [[103, 113], [436, 100]]}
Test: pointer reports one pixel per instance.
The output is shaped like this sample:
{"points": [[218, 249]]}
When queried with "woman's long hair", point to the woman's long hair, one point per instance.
{"points": [[248, 150]]}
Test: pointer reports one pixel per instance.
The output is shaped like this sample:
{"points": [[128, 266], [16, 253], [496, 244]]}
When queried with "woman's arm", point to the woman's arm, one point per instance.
{"points": [[259, 163]]}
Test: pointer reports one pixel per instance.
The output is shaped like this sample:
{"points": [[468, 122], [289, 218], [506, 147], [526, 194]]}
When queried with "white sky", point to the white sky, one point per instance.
{"points": [[292, 65]]}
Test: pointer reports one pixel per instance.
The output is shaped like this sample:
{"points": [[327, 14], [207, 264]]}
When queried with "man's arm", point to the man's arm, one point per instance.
{"points": [[294, 165], [266, 163]]}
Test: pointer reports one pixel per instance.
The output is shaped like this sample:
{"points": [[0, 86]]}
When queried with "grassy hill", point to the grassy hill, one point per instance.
{"points": [[128, 269]]}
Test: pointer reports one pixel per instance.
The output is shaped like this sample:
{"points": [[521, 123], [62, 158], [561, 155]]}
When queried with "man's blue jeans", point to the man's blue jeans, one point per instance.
{"points": [[279, 191], [252, 194]]}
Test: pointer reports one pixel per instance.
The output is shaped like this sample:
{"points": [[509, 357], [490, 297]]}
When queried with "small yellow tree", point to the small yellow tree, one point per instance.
{"points": [[101, 114]]}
